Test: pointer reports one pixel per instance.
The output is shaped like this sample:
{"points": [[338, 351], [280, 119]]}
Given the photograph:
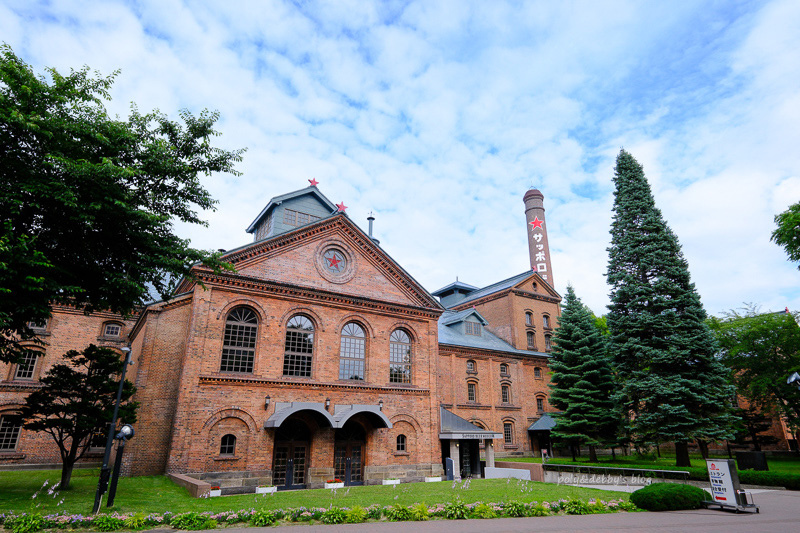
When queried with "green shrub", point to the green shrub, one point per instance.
{"points": [[27, 523], [398, 513], [263, 517], [577, 507], [771, 479], [334, 515], [356, 515], [484, 510], [374, 512], [669, 497], [538, 510], [515, 509], [192, 521], [104, 522], [137, 521], [420, 512], [456, 510]]}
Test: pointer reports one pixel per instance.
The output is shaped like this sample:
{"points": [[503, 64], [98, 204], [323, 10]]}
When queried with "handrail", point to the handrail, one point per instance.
{"points": [[575, 470], [686, 472]]}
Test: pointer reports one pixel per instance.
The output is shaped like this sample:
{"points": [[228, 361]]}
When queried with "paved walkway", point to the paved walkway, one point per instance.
{"points": [[780, 512]]}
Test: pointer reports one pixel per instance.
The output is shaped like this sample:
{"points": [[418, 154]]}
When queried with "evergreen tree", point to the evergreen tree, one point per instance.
{"points": [[582, 381], [672, 385]]}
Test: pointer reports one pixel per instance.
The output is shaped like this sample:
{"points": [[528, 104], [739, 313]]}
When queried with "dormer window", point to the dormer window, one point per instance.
{"points": [[472, 328], [112, 330]]}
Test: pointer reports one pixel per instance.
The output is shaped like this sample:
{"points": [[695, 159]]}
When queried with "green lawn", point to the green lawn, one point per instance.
{"points": [[660, 463], [157, 494]]}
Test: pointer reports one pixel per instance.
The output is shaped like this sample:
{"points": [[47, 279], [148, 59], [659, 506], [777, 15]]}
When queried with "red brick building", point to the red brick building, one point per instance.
{"points": [[319, 358]]}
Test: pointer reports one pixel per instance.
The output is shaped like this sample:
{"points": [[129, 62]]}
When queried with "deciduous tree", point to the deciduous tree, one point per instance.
{"points": [[88, 202], [787, 234]]}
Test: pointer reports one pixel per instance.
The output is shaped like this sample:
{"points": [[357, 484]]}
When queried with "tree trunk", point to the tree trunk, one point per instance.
{"points": [[613, 454], [682, 454], [592, 454], [728, 444], [66, 474], [703, 445], [658, 451], [572, 448]]}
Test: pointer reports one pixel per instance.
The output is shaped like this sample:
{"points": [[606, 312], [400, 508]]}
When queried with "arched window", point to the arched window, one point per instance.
{"points": [[531, 341], [239, 344], [401, 443], [537, 372], [545, 321], [399, 357], [228, 445], [352, 352], [299, 350], [472, 392], [547, 345], [471, 366], [503, 368], [528, 319], [10, 426], [540, 404], [111, 329], [27, 365], [508, 433], [505, 394]]}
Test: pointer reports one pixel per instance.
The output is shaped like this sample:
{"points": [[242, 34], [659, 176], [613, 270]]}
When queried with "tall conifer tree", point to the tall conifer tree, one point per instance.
{"points": [[582, 381], [671, 383]]}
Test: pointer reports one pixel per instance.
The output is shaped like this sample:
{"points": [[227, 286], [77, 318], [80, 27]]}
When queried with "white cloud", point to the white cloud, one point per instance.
{"points": [[439, 115]]}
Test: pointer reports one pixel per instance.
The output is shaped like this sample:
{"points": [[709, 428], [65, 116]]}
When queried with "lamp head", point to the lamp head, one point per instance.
{"points": [[126, 432]]}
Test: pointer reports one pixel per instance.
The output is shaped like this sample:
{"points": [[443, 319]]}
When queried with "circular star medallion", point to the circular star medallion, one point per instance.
{"points": [[335, 261]]}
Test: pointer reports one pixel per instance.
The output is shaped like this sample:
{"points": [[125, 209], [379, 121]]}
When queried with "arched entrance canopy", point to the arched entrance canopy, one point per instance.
{"points": [[342, 413], [284, 410]]}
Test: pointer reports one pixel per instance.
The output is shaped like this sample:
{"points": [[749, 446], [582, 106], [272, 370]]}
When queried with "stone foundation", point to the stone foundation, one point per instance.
{"points": [[375, 474], [235, 482]]}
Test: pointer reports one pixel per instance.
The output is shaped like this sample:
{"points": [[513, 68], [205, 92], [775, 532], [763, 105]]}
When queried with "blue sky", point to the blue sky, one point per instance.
{"points": [[438, 116]]}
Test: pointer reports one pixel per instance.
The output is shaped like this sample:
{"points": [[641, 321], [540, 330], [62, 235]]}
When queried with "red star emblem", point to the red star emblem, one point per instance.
{"points": [[537, 223], [333, 261], [341, 207], [313, 182]]}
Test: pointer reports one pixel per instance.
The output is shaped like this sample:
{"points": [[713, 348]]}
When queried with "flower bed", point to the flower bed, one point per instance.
{"points": [[31, 522]]}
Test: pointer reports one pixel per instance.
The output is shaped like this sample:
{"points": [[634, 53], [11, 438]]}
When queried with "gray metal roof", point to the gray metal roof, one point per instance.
{"points": [[495, 287], [288, 196], [455, 318], [546, 423], [486, 341], [455, 427], [456, 285]]}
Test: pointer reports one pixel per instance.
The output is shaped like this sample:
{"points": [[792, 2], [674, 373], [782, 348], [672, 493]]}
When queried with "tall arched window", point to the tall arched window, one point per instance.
{"points": [[239, 344], [401, 443], [508, 433], [299, 350], [228, 445], [352, 352], [10, 427], [505, 393], [27, 365], [399, 357], [537, 372], [528, 319], [547, 345], [472, 392], [545, 321]]}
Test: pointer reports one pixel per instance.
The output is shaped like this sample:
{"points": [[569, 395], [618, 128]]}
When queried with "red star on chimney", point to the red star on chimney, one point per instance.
{"points": [[537, 223], [313, 182], [341, 207]]}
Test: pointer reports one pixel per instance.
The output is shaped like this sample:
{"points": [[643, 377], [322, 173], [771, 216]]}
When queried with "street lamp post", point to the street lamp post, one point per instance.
{"points": [[102, 483], [125, 433]]}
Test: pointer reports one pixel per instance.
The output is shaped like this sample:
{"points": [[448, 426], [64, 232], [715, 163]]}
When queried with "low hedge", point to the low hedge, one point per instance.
{"points": [[669, 497], [770, 479]]}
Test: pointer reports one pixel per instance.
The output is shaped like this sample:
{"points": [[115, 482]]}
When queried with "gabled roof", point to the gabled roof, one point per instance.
{"points": [[454, 427], [501, 286], [313, 191], [455, 318], [485, 341]]}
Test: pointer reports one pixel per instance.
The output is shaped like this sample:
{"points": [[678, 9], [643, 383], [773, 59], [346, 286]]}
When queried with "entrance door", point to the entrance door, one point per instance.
{"points": [[289, 464], [465, 459], [348, 453]]}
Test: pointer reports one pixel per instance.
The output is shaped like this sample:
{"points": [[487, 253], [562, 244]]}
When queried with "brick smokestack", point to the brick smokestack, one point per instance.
{"points": [[538, 246]]}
